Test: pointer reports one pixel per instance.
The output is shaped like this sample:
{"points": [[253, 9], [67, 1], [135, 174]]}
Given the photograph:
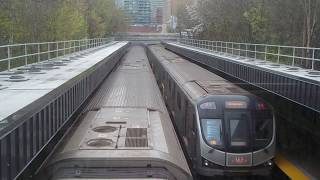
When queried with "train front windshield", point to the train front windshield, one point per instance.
{"points": [[263, 125], [212, 130], [237, 130]]}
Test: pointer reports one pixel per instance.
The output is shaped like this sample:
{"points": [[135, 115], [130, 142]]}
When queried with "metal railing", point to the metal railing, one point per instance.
{"points": [[16, 55], [303, 57]]}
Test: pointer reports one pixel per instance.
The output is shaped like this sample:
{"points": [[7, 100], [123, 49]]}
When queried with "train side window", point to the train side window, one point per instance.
{"points": [[179, 100]]}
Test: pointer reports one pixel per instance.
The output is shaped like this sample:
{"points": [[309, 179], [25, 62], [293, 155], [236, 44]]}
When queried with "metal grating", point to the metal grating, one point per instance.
{"points": [[136, 142], [136, 132], [136, 137]]}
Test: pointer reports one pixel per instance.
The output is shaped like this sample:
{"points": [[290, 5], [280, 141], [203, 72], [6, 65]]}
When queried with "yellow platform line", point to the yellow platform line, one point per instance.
{"points": [[290, 169]]}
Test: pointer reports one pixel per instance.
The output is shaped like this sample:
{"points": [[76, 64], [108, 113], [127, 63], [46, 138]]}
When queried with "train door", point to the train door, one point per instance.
{"points": [[191, 132], [163, 85], [167, 87], [172, 99], [184, 117], [179, 113], [169, 92]]}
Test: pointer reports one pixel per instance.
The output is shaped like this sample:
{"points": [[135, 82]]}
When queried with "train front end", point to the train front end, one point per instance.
{"points": [[237, 136]]}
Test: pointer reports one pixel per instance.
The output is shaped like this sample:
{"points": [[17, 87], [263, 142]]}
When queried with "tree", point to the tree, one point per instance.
{"points": [[48, 20], [264, 21]]}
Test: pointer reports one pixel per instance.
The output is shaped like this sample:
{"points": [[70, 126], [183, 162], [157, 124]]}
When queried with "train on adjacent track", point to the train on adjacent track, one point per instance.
{"points": [[125, 132], [224, 129]]}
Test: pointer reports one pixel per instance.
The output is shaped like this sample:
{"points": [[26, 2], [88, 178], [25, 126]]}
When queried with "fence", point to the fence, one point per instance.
{"points": [[15, 55], [303, 57]]}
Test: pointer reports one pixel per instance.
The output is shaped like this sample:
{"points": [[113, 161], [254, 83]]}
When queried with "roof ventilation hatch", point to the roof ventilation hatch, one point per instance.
{"points": [[17, 78], [136, 137], [100, 142], [104, 129], [314, 74]]}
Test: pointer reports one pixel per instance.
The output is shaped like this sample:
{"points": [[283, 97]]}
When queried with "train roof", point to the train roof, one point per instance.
{"points": [[132, 84], [196, 80], [130, 109]]}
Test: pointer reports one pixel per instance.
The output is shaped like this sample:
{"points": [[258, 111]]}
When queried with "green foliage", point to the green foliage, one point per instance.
{"points": [[258, 22], [67, 22], [284, 22], [104, 18], [184, 19], [43, 20], [5, 26]]}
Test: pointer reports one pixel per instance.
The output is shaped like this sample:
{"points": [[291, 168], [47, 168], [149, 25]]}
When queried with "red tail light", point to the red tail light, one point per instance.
{"points": [[261, 106]]}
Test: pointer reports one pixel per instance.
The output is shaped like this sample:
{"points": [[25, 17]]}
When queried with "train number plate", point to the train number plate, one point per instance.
{"points": [[239, 159]]}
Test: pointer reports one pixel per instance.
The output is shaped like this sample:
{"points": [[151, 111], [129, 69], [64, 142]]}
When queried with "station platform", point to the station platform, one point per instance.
{"points": [[20, 87]]}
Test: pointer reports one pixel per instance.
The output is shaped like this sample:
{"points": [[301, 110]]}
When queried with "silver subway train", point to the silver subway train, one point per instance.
{"points": [[125, 132], [225, 130]]}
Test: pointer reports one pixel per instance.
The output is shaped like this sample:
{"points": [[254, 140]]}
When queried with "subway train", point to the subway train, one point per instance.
{"points": [[224, 129], [124, 132]]}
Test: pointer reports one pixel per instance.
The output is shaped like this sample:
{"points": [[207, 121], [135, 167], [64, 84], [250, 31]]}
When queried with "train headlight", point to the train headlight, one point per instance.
{"points": [[268, 163], [206, 163]]}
